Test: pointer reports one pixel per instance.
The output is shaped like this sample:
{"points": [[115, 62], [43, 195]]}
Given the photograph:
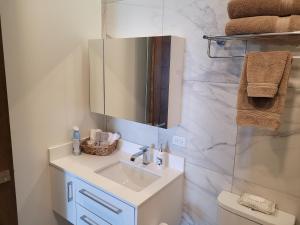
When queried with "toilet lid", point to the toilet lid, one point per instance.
{"points": [[229, 202]]}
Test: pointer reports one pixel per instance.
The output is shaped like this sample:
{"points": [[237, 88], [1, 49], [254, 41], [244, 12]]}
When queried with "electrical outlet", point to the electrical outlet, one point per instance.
{"points": [[179, 141]]}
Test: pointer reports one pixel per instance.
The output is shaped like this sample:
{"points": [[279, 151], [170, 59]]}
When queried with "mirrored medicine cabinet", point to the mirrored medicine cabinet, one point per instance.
{"points": [[138, 79]]}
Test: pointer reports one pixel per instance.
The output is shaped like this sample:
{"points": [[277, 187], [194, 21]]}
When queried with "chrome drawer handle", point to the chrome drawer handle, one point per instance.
{"points": [[88, 220], [70, 191], [100, 201]]}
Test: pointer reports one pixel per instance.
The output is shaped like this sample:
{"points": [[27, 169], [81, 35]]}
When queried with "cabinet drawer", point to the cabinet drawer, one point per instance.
{"points": [[84, 217], [104, 205]]}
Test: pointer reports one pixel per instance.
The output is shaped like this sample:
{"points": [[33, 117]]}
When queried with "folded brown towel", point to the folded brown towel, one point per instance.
{"points": [[248, 8], [263, 24], [264, 73], [262, 112]]}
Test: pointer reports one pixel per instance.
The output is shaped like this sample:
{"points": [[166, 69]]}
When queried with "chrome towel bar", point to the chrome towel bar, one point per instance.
{"points": [[221, 41]]}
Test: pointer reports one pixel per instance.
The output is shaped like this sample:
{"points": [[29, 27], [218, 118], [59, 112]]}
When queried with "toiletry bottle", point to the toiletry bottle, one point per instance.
{"points": [[76, 141], [151, 152], [161, 157]]}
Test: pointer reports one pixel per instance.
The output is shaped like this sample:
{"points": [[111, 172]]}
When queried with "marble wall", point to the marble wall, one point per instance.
{"points": [[219, 155]]}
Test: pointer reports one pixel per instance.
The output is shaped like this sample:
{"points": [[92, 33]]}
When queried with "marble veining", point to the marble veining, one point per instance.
{"points": [[218, 155], [190, 15], [144, 19], [271, 159], [208, 123]]}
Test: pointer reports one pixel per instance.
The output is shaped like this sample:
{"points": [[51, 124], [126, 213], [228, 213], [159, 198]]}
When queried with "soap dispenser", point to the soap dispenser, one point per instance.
{"points": [[161, 157], [76, 141]]}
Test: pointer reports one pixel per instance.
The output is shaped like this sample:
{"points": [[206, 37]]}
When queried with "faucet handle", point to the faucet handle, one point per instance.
{"points": [[144, 148]]}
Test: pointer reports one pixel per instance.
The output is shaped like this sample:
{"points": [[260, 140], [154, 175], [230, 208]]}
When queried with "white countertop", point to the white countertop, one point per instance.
{"points": [[84, 167]]}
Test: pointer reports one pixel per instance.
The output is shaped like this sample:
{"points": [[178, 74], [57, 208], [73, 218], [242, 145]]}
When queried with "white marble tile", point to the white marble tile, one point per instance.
{"points": [[133, 18], [271, 159], [208, 180], [202, 188], [200, 207], [192, 19], [284, 201], [134, 132], [208, 118], [158, 4], [208, 124]]}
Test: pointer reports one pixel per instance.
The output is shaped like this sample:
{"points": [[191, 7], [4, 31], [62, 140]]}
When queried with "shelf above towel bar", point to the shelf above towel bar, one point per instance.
{"points": [[221, 41]]}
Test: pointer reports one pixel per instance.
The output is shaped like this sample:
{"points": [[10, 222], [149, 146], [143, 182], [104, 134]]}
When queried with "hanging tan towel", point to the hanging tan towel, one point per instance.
{"points": [[263, 24], [261, 111], [264, 73], [249, 8]]}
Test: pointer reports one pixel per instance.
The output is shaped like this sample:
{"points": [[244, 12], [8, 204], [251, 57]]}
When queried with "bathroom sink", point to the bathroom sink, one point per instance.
{"points": [[130, 176]]}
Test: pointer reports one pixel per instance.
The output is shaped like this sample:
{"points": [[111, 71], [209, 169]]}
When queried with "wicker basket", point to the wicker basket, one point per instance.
{"points": [[102, 150]]}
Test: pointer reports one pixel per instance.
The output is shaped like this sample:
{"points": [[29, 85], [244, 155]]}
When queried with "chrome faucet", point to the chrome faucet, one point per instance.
{"points": [[146, 155]]}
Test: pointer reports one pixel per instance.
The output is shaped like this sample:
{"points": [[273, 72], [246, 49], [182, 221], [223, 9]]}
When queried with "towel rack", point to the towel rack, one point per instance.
{"points": [[221, 41]]}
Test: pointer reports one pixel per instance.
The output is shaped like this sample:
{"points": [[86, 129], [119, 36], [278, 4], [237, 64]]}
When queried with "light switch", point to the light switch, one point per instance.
{"points": [[179, 141]]}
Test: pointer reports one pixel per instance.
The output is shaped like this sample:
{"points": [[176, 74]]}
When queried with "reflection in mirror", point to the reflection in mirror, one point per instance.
{"points": [[138, 79]]}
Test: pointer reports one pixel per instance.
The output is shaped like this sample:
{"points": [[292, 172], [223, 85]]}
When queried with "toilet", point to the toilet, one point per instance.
{"points": [[232, 213]]}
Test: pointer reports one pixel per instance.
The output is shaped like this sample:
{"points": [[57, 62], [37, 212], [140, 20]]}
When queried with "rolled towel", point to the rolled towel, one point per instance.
{"points": [[113, 137], [263, 24], [248, 8], [93, 135], [258, 203], [262, 112]]}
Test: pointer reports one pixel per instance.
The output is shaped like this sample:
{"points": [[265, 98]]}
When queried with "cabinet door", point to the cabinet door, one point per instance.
{"points": [[63, 198]]}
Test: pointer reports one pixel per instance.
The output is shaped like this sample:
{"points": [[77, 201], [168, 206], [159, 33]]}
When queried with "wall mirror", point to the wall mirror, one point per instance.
{"points": [[138, 79]]}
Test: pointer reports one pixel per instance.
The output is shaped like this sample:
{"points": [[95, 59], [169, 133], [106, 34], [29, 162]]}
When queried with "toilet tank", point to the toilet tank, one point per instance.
{"points": [[232, 213]]}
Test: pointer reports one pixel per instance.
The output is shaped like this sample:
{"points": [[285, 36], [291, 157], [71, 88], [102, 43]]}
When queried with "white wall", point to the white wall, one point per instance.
{"points": [[45, 47]]}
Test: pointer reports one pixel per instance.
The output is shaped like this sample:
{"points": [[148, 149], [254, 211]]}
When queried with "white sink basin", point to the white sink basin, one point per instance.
{"points": [[128, 175]]}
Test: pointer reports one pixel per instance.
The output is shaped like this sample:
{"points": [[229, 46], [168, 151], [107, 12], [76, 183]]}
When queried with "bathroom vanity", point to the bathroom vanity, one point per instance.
{"points": [[112, 190]]}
